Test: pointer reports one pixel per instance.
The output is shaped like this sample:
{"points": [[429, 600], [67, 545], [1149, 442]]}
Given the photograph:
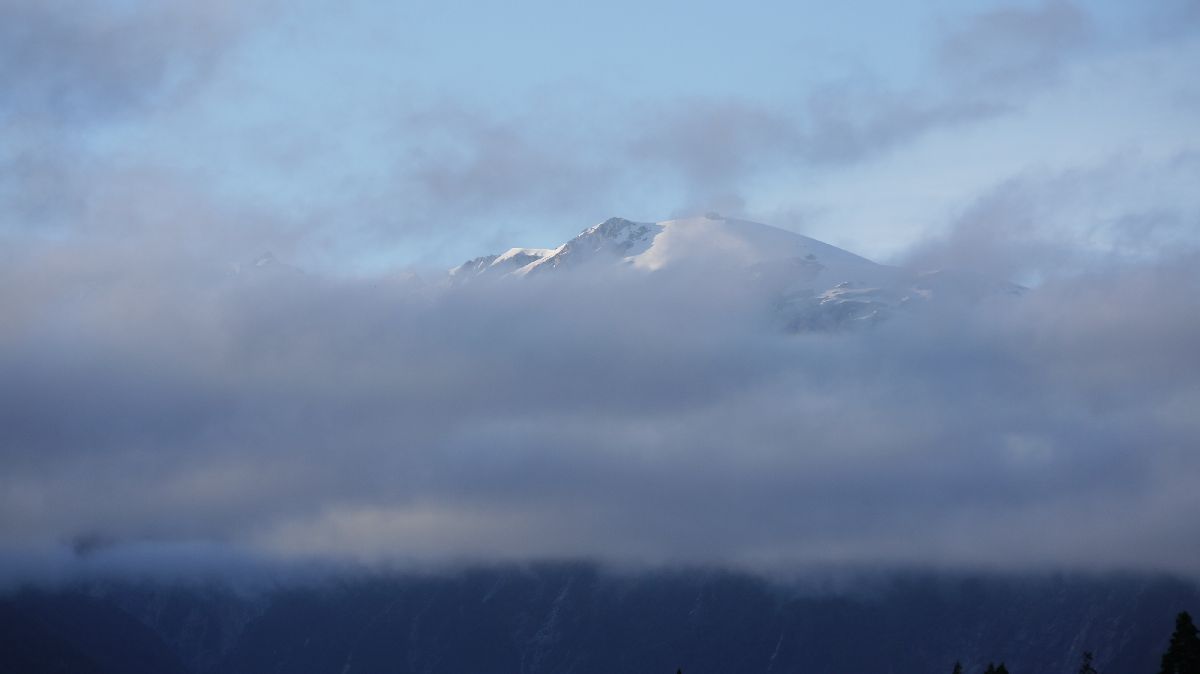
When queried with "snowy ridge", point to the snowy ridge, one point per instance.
{"points": [[507, 262], [613, 238], [811, 284]]}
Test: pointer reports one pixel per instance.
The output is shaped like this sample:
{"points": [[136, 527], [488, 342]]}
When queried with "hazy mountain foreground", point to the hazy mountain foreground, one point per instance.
{"points": [[575, 618]]}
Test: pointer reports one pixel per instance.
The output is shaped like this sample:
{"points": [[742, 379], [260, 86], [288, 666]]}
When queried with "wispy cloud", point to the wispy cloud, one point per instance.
{"points": [[1042, 224], [79, 63], [1010, 49]]}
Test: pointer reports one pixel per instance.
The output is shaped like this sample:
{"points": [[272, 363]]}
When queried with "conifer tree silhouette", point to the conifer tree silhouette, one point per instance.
{"points": [[1183, 654], [1085, 667]]}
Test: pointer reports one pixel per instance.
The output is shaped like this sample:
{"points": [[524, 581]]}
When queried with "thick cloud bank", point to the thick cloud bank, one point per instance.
{"points": [[162, 410], [192, 418]]}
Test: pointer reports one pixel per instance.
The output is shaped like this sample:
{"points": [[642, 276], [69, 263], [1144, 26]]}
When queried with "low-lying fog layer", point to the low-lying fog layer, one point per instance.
{"points": [[171, 417], [164, 411]]}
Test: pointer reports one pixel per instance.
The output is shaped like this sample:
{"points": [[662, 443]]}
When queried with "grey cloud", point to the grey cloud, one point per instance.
{"points": [[83, 62], [1174, 19], [711, 143], [461, 167], [989, 64], [466, 162], [1044, 224], [291, 418], [463, 162], [708, 148], [157, 401], [66, 69], [717, 146], [1013, 48], [850, 123], [86, 217]]}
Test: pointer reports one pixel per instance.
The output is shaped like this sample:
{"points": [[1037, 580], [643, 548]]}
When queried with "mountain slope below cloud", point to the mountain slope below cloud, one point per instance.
{"points": [[577, 618]]}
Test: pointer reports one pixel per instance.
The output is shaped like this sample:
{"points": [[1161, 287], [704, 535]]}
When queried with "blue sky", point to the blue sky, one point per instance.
{"points": [[391, 134]]}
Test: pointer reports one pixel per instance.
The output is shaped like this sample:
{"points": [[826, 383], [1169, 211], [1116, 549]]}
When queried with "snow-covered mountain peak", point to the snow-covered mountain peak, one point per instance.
{"points": [[713, 239], [509, 261], [705, 241], [519, 255], [613, 239], [810, 283], [619, 231]]}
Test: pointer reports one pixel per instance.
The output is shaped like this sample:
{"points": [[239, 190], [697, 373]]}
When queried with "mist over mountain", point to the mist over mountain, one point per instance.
{"points": [[702, 390], [808, 284], [321, 348]]}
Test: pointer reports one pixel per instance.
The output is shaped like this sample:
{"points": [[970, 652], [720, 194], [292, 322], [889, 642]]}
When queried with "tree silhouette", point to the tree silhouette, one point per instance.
{"points": [[1085, 667], [1183, 654], [957, 668]]}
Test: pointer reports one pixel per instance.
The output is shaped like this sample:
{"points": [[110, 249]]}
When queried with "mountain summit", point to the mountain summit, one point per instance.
{"points": [[810, 283]]}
